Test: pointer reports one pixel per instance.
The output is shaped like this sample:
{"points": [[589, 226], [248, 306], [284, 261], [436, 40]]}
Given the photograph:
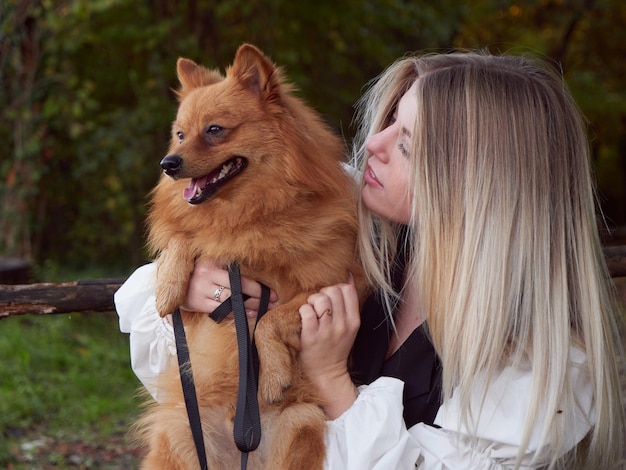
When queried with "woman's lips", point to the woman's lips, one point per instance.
{"points": [[370, 178]]}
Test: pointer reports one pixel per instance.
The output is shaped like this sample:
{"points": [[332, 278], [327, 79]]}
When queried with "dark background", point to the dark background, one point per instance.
{"points": [[86, 100]]}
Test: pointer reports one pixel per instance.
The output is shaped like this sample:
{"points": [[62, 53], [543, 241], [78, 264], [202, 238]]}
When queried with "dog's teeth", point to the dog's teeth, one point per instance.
{"points": [[225, 170]]}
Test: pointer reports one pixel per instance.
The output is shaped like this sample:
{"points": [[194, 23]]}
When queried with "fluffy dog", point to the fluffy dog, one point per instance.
{"points": [[253, 176]]}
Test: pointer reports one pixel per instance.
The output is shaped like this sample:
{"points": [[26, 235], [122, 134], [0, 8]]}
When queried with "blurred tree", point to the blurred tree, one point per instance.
{"points": [[98, 105], [86, 99], [20, 57]]}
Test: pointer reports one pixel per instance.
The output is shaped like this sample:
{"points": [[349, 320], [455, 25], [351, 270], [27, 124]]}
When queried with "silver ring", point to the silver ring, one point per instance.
{"points": [[218, 293]]}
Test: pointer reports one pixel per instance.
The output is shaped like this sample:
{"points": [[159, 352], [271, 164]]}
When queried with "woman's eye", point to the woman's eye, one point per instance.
{"points": [[403, 150], [180, 136]]}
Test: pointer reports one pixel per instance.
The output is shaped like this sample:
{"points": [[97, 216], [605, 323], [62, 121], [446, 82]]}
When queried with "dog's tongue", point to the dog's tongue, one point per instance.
{"points": [[196, 185]]}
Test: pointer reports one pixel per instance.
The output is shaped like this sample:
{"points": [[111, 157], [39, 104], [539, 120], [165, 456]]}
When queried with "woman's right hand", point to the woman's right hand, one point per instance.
{"points": [[209, 281], [330, 321]]}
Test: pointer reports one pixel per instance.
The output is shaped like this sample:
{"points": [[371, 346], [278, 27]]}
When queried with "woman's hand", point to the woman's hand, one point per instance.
{"points": [[330, 321], [209, 286]]}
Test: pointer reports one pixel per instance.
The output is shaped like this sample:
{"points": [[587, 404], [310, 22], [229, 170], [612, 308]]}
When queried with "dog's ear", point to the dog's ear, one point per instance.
{"points": [[192, 75], [256, 72]]}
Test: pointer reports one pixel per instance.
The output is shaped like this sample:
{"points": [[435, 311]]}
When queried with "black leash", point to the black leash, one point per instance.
{"points": [[247, 430], [247, 425], [189, 389]]}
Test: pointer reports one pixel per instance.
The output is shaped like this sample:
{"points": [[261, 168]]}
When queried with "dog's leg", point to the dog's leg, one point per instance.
{"points": [[174, 267], [298, 443], [278, 342], [161, 456]]}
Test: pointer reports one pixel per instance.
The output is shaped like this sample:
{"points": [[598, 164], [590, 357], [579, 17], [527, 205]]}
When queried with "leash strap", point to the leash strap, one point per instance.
{"points": [[247, 425], [189, 389], [226, 307], [263, 306], [247, 430]]}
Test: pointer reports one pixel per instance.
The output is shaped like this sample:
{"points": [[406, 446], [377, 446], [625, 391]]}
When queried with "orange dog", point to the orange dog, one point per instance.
{"points": [[255, 178]]}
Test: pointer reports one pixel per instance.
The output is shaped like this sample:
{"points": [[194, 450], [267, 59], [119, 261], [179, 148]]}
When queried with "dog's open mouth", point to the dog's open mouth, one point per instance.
{"points": [[200, 189]]}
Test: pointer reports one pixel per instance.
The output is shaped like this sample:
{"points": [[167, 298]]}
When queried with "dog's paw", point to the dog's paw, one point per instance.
{"points": [[273, 385], [276, 355], [165, 305]]}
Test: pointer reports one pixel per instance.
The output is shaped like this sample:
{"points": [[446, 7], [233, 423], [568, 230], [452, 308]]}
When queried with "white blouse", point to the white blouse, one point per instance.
{"points": [[371, 434], [152, 345]]}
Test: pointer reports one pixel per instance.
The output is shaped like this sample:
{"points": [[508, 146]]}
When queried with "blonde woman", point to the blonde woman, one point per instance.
{"points": [[477, 166]]}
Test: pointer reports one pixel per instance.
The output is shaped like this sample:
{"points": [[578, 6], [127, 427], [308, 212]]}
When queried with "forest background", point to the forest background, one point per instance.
{"points": [[86, 103], [86, 93]]}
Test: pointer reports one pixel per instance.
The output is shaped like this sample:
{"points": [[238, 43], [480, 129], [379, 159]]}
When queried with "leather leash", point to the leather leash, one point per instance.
{"points": [[247, 425]]}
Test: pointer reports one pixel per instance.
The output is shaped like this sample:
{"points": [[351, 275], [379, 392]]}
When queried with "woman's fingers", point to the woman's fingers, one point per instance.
{"points": [[329, 315], [330, 321], [205, 284], [340, 300], [209, 286], [253, 289], [310, 321], [321, 304], [351, 304]]}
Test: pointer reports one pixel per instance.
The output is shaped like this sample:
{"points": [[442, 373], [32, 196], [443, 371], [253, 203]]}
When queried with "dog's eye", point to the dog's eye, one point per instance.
{"points": [[214, 130], [180, 136]]}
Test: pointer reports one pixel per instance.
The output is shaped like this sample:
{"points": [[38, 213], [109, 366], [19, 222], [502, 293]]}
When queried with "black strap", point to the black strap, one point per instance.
{"points": [[247, 426], [189, 389], [264, 303], [224, 309], [247, 430]]}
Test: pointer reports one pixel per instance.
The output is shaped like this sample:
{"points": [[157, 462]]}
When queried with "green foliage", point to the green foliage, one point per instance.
{"points": [[86, 100], [66, 373]]}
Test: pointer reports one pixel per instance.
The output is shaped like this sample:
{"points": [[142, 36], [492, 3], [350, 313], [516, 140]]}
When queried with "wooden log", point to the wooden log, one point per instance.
{"points": [[94, 295]]}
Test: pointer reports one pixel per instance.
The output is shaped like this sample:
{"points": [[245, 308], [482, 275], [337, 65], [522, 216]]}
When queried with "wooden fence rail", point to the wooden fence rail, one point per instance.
{"points": [[96, 295]]}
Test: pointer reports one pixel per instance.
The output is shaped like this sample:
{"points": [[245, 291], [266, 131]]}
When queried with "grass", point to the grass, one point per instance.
{"points": [[63, 375]]}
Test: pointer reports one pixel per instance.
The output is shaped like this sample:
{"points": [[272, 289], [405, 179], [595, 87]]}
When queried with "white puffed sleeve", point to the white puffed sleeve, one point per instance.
{"points": [[371, 433], [152, 345], [496, 440]]}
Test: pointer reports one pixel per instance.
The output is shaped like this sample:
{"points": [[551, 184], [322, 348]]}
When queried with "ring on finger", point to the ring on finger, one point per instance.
{"points": [[218, 293], [328, 312]]}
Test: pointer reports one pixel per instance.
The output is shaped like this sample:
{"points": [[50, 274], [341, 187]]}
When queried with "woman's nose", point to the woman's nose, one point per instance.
{"points": [[376, 144]]}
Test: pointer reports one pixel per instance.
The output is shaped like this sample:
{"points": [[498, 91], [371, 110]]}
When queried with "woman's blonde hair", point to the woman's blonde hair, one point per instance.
{"points": [[503, 242]]}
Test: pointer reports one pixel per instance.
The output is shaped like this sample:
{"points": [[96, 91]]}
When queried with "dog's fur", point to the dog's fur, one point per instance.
{"points": [[288, 219]]}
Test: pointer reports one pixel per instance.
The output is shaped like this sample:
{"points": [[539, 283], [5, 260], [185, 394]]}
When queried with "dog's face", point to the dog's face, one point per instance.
{"points": [[225, 126]]}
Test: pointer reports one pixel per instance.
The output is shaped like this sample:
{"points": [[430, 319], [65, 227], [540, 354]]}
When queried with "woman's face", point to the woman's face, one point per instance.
{"points": [[386, 178]]}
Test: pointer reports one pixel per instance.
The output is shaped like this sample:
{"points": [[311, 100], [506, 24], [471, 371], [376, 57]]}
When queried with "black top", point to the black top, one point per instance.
{"points": [[415, 362]]}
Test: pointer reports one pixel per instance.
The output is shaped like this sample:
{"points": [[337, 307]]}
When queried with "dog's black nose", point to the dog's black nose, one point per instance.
{"points": [[172, 164]]}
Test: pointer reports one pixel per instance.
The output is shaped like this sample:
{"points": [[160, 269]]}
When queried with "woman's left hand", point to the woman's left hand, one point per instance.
{"points": [[209, 286], [330, 321]]}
